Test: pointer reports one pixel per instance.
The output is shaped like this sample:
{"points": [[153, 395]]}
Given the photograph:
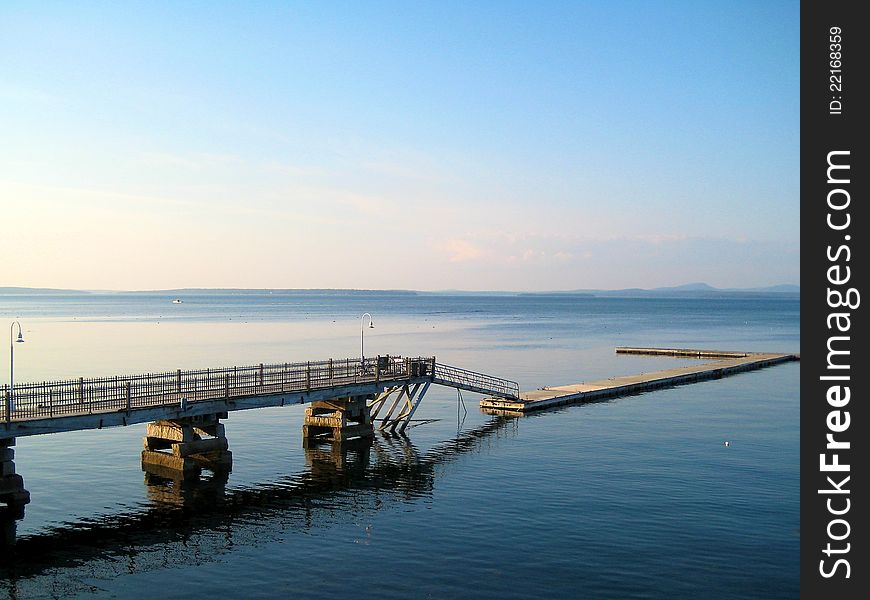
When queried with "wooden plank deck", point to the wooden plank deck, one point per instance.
{"points": [[729, 363]]}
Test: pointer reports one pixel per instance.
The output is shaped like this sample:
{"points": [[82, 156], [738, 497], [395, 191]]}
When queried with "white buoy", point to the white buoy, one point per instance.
{"points": [[727, 444]]}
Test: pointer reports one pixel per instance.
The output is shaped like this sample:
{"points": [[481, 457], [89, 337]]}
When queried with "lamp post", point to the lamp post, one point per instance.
{"points": [[11, 405], [362, 336]]}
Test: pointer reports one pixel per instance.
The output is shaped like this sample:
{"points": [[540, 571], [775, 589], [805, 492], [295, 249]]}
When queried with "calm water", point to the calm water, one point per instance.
{"points": [[631, 498]]}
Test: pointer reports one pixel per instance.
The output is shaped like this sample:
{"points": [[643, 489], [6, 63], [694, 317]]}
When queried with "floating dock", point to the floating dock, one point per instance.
{"points": [[727, 363]]}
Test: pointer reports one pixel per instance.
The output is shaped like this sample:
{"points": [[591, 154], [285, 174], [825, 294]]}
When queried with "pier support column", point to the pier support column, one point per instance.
{"points": [[338, 419], [192, 442], [12, 491]]}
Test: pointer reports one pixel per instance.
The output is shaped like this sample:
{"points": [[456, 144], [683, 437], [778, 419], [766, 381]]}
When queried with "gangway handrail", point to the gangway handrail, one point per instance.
{"points": [[474, 381]]}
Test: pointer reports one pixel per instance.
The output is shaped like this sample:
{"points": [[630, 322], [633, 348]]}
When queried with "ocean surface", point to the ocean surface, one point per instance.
{"points": [[636, 497]]}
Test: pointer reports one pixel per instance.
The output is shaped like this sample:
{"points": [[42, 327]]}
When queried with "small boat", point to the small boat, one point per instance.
{"points": [[177, 301]]}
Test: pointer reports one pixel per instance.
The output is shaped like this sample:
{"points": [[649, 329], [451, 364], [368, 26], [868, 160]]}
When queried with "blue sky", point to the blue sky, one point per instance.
{"points": [[487, 145]]}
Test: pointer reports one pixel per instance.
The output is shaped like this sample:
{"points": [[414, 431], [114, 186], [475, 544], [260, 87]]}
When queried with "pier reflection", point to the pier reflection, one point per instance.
{"points": [[198, 518], [338, 463], [9, 517], [168, 487]]}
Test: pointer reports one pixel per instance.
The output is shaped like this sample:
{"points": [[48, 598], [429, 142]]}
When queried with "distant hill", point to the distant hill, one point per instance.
{"points": [[688, 287], [784, 288], [10, 291], [204, 291], [698, 289], [278, 291]]}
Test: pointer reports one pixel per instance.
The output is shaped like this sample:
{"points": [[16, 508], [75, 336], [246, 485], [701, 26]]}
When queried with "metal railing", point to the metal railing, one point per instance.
{"points": [[108, 394], [475, 382]]}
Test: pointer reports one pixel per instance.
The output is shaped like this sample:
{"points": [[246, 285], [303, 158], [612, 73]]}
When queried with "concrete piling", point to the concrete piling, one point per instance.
{"points": [[338, 419], [194, 443], [12, 491]]}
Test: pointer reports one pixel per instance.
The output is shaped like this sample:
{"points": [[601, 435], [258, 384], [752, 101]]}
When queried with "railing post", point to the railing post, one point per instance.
{"points": [[50, 403], [227, 386], [378, 370], [128, 396], [8, 402], [308, 376], [178, 381], [261, 374], [330, 369], [81, 390]]}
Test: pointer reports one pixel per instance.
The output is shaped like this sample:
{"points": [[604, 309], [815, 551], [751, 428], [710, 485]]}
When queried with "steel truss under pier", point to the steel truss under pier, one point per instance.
{"points": [[408, 398]]}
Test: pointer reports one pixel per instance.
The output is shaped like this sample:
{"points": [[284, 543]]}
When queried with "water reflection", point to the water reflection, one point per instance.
{"points": [[340, 462], [9, 517], [198, 519], [168, 487]]}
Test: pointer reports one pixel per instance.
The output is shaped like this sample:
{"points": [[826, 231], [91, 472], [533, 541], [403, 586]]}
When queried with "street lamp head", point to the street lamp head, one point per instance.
{"points": [[12, 328], [371, 325]]}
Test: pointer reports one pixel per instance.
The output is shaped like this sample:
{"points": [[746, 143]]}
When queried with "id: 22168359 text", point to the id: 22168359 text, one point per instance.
{"points": [[835, 79]]}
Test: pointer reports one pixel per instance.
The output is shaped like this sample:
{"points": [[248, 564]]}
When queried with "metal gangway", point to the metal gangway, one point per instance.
{"points": [[472, 381], [409, 396]]}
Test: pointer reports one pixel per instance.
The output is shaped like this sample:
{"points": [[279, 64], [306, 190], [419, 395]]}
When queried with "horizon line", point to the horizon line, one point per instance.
{"points": [[690, 287]]}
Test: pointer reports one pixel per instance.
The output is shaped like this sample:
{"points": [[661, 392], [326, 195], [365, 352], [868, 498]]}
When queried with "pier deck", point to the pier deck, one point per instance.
{"points": [[97, 403], [729, 363]]}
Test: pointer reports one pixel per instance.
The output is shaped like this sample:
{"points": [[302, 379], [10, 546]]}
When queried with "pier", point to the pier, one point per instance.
{"points": [[348, 399], [96, 403], [728, 363]]}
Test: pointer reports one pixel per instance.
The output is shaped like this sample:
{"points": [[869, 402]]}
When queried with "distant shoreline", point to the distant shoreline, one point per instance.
{"points": [[691, 290]]}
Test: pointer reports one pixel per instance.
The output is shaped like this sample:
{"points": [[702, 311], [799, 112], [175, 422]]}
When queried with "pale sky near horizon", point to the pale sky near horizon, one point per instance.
{"points": [[413, 145]]}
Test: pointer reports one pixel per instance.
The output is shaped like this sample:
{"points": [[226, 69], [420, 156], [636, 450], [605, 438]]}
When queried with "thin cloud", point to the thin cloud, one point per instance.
{"points": [[126, 202], [459, 250], [195, 161]]}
